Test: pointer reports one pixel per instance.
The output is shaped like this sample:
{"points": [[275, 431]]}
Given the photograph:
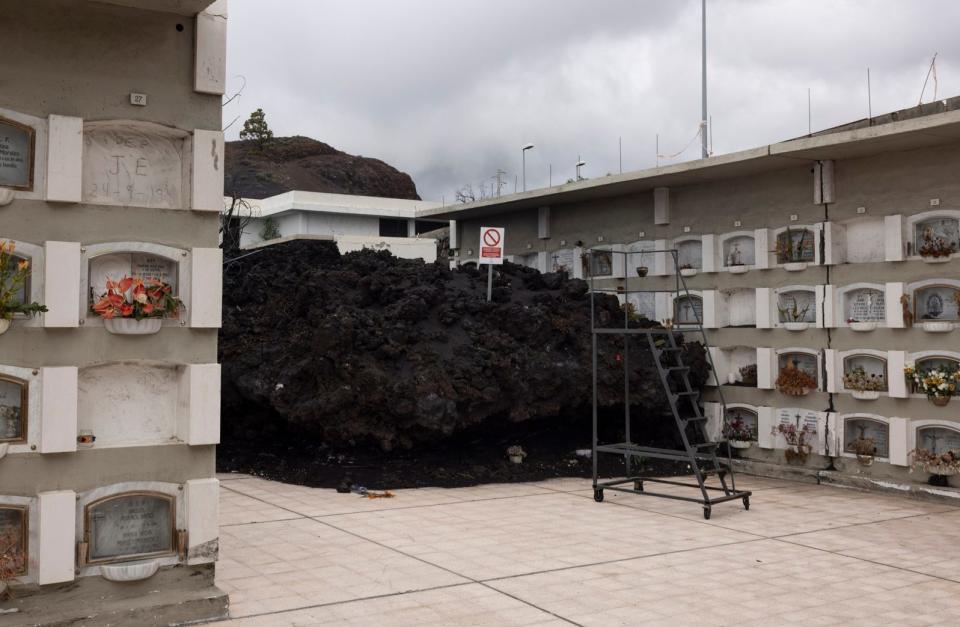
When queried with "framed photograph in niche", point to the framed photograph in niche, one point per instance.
{"points": [[865, 305], [130, 526], [937, 302], [13, 540], [13, 409], [17, 149], [115, 266]]}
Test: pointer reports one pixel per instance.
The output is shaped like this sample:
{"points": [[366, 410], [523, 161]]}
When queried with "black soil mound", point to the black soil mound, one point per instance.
{"points": [[331, 361]]}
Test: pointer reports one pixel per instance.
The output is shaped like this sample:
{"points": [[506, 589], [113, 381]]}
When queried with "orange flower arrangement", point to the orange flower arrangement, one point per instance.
{"points": [[131, 297]]}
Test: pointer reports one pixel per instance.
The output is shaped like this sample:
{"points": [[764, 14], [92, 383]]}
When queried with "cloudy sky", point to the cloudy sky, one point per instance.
{"points": [[449, 90]]}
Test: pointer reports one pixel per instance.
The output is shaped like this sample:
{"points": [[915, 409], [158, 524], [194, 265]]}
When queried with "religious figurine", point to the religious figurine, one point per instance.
{"points": [[907, 314]]}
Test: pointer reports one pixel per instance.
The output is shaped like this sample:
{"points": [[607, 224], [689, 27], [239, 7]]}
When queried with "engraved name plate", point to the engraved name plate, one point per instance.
{"points": [[13, 539], [17, 144], [13, 409], [130, 526], [130, 167]]}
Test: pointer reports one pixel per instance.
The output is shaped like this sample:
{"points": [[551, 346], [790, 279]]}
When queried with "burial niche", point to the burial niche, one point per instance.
{"points": [[562, 261], [938, 440], [740, 308], [601, 263], [936, 236], [13, 540], [746, 417], [865, 375], [937, 302], [117, 265], [795, 246], [690, 254], [17, 147], [864, 304], [866, 437], [13, 409], [688, 310], [797, 306], [739, 251], [130, 526]]}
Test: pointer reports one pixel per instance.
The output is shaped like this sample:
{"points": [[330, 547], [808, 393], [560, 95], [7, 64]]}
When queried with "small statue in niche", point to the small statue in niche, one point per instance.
{"points": [[933, 306], [907, 314]]}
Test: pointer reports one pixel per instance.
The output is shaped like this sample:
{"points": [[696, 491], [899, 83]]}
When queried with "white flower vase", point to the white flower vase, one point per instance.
{"points": [[796, 326], [737, 269], [936, 259], [865, 395], [4, 325], [795, 266], [688, 272], [516, 459], [937, 326], [863, 326], [741, 444], [130, 326], [940, 471]]}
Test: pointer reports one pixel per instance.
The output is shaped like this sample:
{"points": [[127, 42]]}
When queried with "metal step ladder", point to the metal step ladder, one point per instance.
{"points": [[698, 451]]}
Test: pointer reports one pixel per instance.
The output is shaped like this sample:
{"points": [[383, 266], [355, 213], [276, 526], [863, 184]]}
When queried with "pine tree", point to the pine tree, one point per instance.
{"points": [[256, 128]]}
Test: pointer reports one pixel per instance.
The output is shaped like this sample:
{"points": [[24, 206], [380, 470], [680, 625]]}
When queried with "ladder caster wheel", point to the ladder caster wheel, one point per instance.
{"points": [[638, 486], [598, 495], [706, 513], [746, 503]]}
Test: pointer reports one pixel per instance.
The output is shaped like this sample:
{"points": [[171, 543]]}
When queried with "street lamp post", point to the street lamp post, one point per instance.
{"points": [[523, 155]]}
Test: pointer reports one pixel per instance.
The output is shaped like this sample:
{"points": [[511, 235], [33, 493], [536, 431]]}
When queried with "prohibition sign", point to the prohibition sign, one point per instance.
{"points": [[491, 237]]}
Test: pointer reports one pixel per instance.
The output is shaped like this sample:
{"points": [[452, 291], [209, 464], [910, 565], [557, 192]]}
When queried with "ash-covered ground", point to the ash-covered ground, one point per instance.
{"points": [[393, 373]]}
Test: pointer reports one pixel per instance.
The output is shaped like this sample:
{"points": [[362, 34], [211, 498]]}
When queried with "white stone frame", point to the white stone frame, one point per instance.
{"points": [[909, 235], [775, 300], [720, 262], [181, 257], [840, 302], [816, 229], [896, 437], [836, 368], [41, 140], [916, 357], [34, 254], [33, 534], [34, 381], [170, 489], [917, 425]]}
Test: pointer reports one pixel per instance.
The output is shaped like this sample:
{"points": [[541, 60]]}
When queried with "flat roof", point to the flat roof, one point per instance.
{"points": [[320, 202], [917, 132]]}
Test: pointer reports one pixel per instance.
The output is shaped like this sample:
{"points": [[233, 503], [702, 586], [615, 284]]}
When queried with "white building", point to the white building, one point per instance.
{"points": [[354, 222]]}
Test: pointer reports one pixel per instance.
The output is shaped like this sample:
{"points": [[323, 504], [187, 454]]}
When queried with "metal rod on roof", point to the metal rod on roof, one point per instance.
{"points": [[809, 118], [658, 150], [703, 117], [620, 149], [869, 100]]}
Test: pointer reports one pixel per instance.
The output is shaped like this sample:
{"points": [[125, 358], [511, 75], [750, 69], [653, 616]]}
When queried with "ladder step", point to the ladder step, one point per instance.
{"points": [[704, 445], [694, 418], [690, 393], [670, 348], [677, 368]]}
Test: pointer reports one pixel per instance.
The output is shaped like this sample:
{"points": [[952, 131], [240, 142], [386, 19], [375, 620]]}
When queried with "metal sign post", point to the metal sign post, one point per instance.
{"points": [[491, 252]]}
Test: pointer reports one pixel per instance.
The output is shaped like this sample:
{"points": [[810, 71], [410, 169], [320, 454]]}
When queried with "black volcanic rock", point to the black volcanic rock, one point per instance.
{"points": [[301, 163], [368, 349]]}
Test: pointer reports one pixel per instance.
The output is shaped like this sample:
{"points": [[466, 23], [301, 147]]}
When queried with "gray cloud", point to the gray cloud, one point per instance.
{"points": [[448, 90]]}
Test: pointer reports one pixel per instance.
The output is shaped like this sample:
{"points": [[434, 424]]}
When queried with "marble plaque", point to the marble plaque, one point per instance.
{"points": [[748, 417], [644, 304], [938, 439], [938, 302], [803, 301], [739, 251], [865, 305], [129, 526], [688, 310], [130, 167], [855, 428], [13, 409], [742, 308], [562, 261], [13, 539], [799, 418], [17, 145]]}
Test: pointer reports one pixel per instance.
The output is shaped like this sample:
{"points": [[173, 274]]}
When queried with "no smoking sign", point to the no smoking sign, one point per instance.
{"points": [[491, 245]]}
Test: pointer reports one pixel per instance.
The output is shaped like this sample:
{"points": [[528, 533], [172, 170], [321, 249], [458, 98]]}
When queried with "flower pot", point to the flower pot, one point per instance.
{"points": [[516, 459], [795, 266], [937, 326], [939, 401], [936, 259], [863, 326], [796, 326], [940, 471], [865, 460], [740, 443], [737, 269], [732, 378], [797, 453], [4, 325], [642, 271], [130, 326], [865, 395], [688, 272]]}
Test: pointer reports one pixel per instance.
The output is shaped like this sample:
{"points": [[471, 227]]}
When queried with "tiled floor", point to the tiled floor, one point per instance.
{"points": [[546, 553]]}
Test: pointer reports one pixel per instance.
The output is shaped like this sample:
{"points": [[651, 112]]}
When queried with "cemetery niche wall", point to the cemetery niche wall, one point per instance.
{"points": [[18, 146], [14, 406]]}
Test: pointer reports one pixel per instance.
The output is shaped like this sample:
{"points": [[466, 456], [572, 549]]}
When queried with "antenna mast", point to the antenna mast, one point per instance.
{"points": [[703, 117]]}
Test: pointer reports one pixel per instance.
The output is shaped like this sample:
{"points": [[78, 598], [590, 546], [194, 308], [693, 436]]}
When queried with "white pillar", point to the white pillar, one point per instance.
{"points": [[203, 512], [58, 411], [57, 536]]}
